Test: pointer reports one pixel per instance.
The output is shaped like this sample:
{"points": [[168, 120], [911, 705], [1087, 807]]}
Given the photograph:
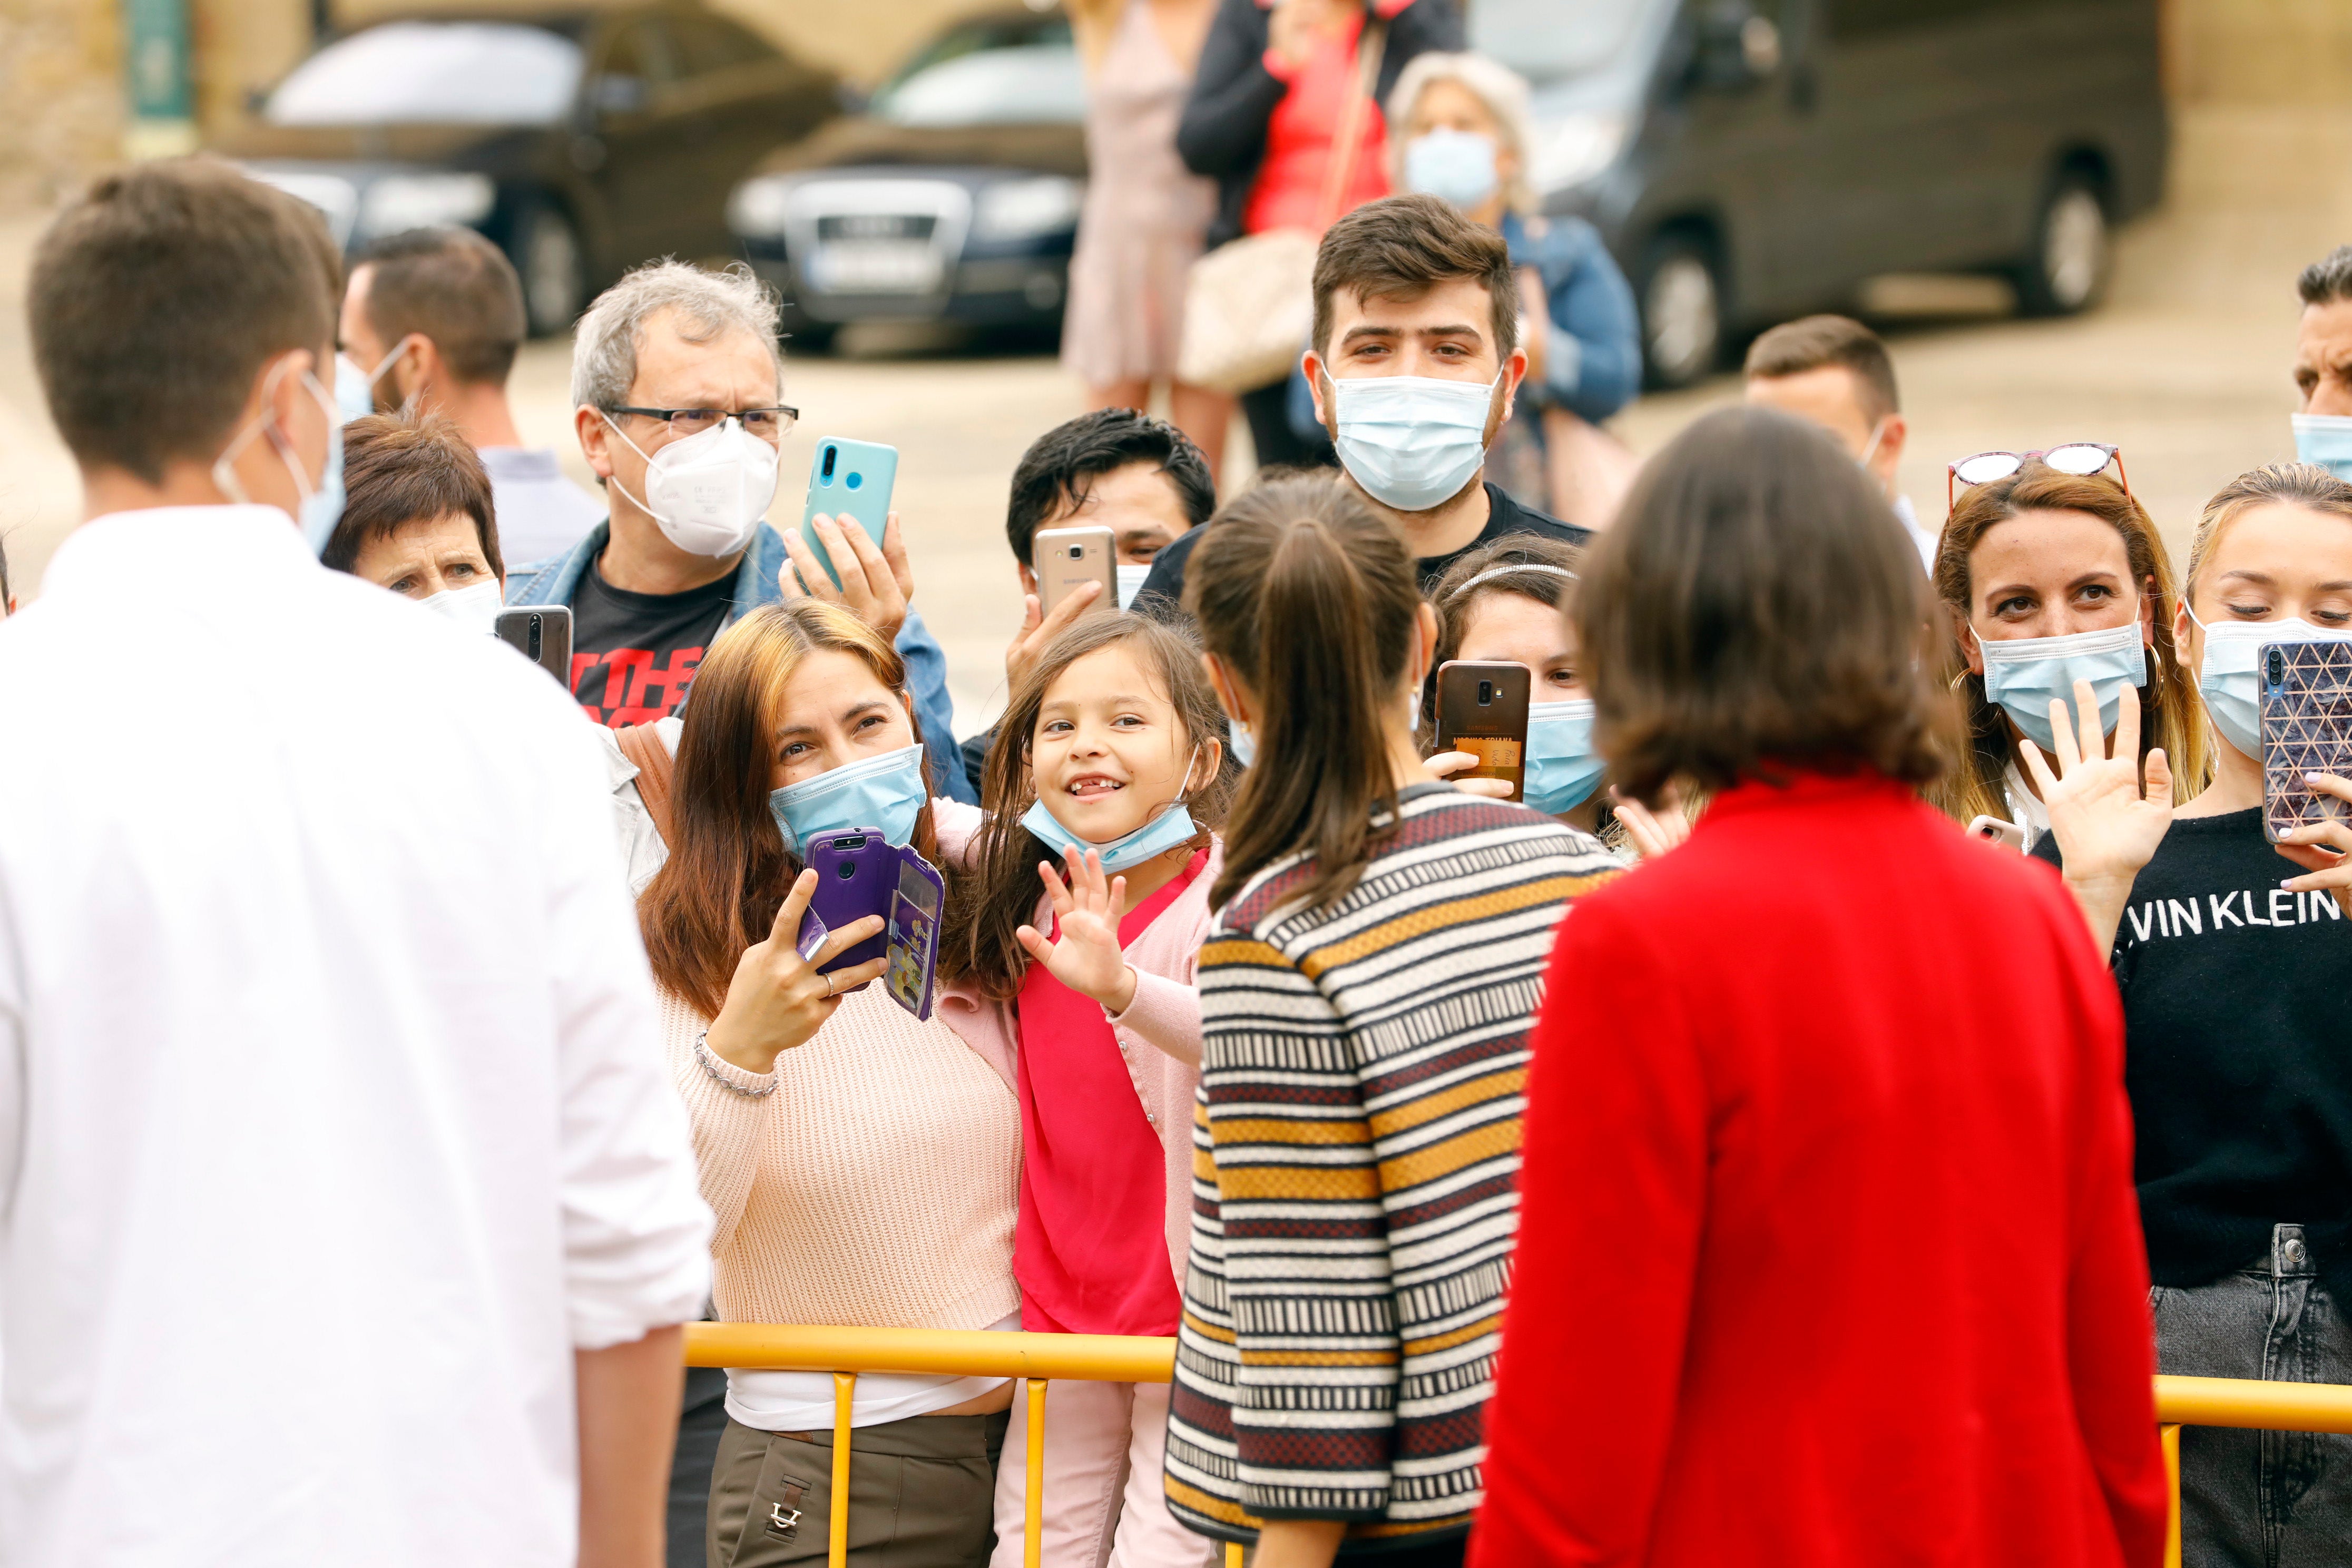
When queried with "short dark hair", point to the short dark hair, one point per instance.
{"points": [[157, 298], [1401, 248], [403, 468], [1795, 347], [1054, 473], [453, 286], [1756, 607], [2328, 280], [1309, 597]]}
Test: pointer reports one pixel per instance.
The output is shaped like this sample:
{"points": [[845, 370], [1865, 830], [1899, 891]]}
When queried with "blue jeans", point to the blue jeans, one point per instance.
{"points": [[2260, 1499]]}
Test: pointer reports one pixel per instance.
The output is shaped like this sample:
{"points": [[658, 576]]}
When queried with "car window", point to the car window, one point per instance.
{"points": [[1023, 83], [433, 73], [1545, 40], [708, 44]]}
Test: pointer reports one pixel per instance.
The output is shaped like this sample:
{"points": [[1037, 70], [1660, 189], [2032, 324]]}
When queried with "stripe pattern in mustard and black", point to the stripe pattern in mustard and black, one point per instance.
{"points": [[1355, 1179]]}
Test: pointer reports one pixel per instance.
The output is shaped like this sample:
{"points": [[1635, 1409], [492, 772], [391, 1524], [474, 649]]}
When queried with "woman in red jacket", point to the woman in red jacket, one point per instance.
{"points": [[1828, 1252]]}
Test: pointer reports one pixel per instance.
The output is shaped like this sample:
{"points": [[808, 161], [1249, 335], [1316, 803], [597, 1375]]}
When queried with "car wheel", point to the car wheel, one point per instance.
{"points": [[554, 272], [2067, 269], [1682, 311]]}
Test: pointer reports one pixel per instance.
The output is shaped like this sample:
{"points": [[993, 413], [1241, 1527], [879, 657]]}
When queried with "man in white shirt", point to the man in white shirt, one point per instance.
{"points": [[436, 315], [1836, 373], [346, 1216]]}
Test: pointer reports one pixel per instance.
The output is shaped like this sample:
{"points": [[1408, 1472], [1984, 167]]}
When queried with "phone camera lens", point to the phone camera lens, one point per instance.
{"points": [[1077, 551], [2278, 667], [1486, 694], [830, 454], [845, 870]]}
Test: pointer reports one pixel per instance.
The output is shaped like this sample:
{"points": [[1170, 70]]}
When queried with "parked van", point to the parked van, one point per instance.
{"points": [[1752, 160]]}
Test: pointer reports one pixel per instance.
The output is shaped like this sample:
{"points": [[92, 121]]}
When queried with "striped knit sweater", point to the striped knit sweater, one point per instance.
{"points": [[1357, 1138]]}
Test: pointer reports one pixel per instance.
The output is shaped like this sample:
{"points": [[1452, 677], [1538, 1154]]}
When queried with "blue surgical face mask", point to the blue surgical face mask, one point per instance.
{"points": [[2229, 675], [354, 393], [885, 792], [321, 506], [2024, 674], [1241, 743], [1455, 166], [1560, 772], [323, 509], [1130, 582], [1412, 442], [2325, 440], [1163, 833]]}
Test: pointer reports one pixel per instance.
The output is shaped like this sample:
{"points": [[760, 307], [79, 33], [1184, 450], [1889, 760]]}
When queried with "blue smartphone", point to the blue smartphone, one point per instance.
{"points": [[848, 480]]}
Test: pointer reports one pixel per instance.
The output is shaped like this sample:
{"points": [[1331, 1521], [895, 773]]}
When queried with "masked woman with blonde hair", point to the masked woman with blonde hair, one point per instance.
{"points": [[2049, 577]]}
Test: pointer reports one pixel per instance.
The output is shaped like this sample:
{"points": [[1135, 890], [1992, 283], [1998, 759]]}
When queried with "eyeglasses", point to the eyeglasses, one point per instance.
{"points": [[2081, 458], [769, 425]]}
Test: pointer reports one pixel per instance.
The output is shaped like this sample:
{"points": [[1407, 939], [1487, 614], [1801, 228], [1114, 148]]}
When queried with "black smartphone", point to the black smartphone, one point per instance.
{"points": [[1482, 709], [2307, 720], [542, 634]]}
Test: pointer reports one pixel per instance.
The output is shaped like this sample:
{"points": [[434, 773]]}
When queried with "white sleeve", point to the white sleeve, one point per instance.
{"points": [[636, 1233]]}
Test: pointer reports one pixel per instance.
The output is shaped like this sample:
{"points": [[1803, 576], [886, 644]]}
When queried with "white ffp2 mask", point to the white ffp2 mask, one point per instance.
{"points": [[707, 492]]}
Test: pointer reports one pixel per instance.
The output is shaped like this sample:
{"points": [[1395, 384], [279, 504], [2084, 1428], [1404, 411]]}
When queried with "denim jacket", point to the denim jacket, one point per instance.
{"points": [[553, 582], [1592, 357]]}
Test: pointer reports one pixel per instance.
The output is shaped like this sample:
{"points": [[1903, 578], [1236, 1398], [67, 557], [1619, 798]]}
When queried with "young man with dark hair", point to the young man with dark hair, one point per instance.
{"points": [[1140, 478], [2322, 364], [435, 317], [1835, 373], [323, 1021], [1414, 362]]}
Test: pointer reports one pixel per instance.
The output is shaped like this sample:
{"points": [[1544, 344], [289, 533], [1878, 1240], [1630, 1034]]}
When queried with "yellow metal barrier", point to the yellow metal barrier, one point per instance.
{"points": [[1107, 1357], [2239, 1401], [844, 1352]]}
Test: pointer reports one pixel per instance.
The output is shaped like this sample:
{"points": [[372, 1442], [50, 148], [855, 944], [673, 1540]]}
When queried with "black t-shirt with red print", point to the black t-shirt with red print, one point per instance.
{"points": [[634, 655]]}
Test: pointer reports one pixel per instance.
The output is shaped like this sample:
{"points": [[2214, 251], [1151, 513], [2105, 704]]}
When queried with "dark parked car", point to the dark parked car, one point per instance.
{"points": [[1749, 160], [955, 195], [582, 144]]}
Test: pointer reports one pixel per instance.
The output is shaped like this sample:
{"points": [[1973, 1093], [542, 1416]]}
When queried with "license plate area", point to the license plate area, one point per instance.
{"points": [[875, 267]]}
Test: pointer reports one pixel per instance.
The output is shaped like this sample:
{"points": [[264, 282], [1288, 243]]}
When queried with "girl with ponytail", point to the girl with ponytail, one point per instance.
{"points": [[1366, 986]]}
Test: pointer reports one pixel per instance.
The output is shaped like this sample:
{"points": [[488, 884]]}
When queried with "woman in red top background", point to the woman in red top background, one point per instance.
{"points": [[1828, 1252]]}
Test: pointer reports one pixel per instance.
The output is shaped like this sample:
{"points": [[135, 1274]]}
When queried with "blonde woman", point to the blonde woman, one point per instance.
{"points": [[2047, 577], [1460, 131], [1145, 213], [863, 1166], [2233, 958]]}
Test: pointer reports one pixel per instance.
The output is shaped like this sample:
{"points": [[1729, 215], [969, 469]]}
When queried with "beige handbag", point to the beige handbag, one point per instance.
{"points": [[1249, 305]]}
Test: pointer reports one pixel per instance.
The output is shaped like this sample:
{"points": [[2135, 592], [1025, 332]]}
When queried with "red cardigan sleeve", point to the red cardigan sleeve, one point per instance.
{"points": [[1615, 1167], [2109, 1350]]}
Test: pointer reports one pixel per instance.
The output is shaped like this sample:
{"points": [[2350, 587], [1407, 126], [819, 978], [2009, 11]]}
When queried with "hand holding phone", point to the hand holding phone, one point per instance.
{"points": [[1482, 709], [2306, 728], [848, 480], [857, 872], [781, 995], [1066, 559]]}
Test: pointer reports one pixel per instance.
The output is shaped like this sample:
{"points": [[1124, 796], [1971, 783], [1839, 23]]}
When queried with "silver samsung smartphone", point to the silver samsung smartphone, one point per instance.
{"points": [[542, 634], [1064, 558]]}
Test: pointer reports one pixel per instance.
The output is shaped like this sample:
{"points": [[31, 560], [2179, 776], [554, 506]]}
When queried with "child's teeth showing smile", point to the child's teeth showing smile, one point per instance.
{"points": [[1092, 785]]}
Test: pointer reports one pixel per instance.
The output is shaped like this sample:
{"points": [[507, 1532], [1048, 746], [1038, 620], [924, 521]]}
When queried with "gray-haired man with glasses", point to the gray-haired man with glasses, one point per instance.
{"points": [[679, 411]]}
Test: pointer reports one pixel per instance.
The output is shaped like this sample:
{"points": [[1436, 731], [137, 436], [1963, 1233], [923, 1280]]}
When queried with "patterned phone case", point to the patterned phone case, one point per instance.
{"points": [[2306, 712]]}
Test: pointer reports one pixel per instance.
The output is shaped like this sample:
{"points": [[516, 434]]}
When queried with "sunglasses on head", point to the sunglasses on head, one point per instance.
{"points": [[2081, 458]]}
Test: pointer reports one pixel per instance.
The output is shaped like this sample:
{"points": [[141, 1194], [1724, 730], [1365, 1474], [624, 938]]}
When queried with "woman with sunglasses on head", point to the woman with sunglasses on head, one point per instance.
{"points": [[2234, 973], [2049, 575], [862, 1164]]}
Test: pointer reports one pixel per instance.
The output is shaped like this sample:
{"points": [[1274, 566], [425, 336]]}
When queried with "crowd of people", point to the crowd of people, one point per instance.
{"points": [[1712, 1149]]}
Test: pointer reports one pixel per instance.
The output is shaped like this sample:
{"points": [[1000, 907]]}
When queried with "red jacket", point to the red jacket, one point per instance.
{"points": [[1828, 1253]]}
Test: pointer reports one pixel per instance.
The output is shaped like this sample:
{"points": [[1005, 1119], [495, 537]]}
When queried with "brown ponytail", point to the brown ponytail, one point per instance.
{"points": [[1311, 601]]}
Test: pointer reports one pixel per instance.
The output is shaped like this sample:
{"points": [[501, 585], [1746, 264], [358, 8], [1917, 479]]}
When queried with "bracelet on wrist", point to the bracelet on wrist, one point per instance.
{"points": [[709, 1060]]}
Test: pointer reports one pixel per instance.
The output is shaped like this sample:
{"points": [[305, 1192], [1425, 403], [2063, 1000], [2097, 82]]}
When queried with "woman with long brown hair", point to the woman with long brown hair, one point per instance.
{"points": [[1365, 991], [2046, 577], [862, 1164], [1106, 784]]}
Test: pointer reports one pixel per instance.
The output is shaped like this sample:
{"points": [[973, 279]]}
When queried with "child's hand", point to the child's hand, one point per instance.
{"points": [[1087, 957]]}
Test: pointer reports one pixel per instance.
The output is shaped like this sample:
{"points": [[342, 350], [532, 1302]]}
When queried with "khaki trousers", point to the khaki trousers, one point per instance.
{"points": [[919, 1494]]}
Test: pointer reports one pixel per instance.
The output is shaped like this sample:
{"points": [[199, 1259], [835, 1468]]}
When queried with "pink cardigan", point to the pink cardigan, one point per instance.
{"points": [[1159, 1035]]}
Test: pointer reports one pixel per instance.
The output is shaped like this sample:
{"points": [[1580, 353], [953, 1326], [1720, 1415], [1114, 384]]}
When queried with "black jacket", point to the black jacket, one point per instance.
{"points": [[1223, 133]]}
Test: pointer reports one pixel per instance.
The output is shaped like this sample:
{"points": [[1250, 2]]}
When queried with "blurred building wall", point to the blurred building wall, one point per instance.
{"points": [[60, 60]]}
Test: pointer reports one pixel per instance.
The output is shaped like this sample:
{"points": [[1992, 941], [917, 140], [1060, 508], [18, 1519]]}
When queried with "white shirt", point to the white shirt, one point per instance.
{"points": [[332, 1115], [541, 514]]}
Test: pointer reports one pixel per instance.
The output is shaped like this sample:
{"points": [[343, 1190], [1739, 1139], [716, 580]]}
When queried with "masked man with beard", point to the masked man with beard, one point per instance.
{"points": [[680, 414], [1414, 362]]}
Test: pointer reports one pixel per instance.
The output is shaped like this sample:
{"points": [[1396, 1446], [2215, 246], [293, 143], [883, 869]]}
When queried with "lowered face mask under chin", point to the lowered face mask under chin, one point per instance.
{"points": [[1164, 832], [2024, 674]]}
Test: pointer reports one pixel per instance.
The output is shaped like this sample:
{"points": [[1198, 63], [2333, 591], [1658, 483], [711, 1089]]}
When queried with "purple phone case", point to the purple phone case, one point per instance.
{"points": [[856, 871]]}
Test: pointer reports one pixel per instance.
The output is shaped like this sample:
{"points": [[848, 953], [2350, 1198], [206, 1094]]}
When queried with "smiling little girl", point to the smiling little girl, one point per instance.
{"points": [[1074, 922]]}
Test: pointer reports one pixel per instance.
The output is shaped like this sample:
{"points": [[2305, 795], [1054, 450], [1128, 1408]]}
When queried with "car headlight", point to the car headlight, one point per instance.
{"points": [[1024, 209], [756, 207], [400, 201], [1572, 149]]}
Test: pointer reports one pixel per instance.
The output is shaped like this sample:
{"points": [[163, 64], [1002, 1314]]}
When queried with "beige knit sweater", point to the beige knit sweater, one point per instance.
{"points": [[876, 1187]]}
